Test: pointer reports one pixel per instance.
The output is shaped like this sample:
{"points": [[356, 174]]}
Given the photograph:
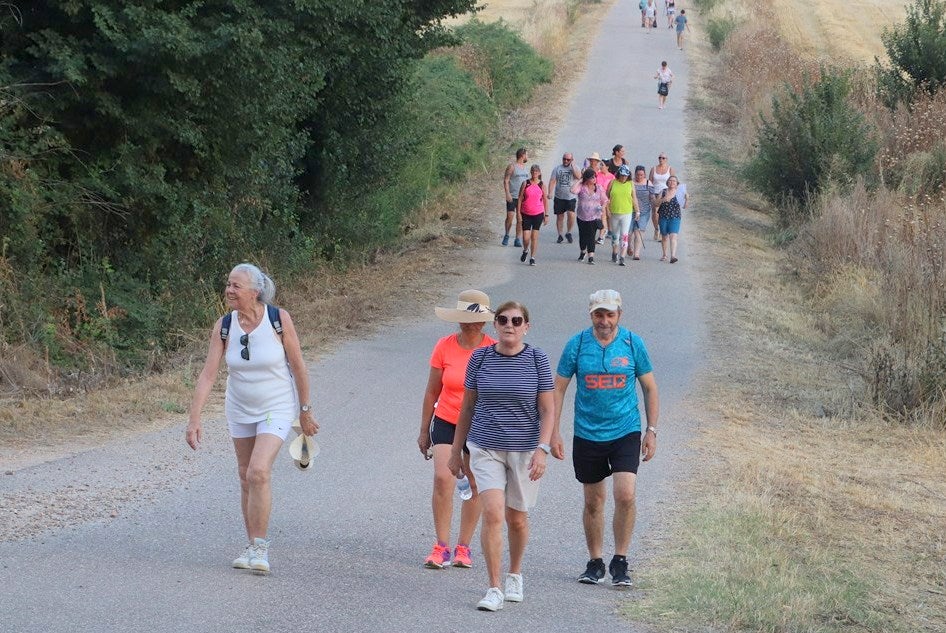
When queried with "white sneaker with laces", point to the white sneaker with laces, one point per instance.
{"points": [[492, 601], [243, 560], [259, 555], [513, 588]]}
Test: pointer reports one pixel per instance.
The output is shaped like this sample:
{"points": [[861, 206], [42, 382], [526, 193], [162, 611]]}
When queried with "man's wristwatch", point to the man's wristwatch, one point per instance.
{"points": [[652, 429], [545, 448], [305, 407]]}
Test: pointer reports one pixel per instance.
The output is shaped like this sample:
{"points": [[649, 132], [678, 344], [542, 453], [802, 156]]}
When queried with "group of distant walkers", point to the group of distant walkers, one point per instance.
{"points": [[649, 18], [606, 199]]}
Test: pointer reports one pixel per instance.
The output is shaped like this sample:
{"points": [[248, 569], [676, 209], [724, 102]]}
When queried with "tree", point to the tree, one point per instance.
{"points": [[917, 52]]}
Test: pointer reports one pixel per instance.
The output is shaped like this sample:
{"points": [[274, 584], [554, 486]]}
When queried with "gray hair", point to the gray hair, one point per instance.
{"points": [[259, 281]]}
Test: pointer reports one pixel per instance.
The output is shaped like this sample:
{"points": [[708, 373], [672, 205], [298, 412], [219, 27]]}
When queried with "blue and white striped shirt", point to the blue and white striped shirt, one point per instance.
{"points": [[506, 416]]}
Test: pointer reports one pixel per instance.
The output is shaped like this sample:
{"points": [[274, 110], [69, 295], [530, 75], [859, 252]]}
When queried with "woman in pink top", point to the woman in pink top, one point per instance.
{"points": [[438, 422], [533, 210], [603, 177]]}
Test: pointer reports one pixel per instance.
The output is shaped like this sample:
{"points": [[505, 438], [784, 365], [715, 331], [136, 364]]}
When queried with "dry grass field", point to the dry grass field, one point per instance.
{"points": [[813, 511]]}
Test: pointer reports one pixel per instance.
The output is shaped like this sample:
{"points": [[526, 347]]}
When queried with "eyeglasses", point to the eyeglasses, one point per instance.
{"points": [[502, 319], [661, 158], [245, 342]]}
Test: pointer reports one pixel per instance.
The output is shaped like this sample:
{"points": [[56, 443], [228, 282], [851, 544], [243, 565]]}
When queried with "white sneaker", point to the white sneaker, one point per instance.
{"points": [[513, 587], [243, 560], [259, 555], [492, 601]]}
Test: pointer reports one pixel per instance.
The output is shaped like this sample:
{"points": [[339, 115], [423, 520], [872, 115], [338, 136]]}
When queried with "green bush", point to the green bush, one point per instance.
{"points": [[514, 68], [916, 50], [811, 138], [718, 30]]}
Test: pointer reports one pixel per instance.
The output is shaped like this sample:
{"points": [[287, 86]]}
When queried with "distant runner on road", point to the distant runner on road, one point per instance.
{"points": [[608, 362]]}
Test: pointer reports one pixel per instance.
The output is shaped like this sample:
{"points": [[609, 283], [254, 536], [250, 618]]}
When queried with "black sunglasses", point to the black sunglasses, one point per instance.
{"points": [[502, 319], [245, 342]]}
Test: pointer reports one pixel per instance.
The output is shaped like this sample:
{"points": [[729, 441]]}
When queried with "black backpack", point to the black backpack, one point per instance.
{"points": [[272, 311]]}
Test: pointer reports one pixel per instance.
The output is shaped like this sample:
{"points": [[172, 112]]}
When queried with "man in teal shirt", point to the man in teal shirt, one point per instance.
{"points": [[609, 361]]}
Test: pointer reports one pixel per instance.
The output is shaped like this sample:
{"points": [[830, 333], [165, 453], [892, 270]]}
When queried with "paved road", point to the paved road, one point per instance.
{"points": [[349, 537]]}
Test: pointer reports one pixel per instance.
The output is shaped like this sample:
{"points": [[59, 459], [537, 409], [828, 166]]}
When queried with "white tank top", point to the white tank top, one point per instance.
{"points": [[660, 180], [262, 387]]}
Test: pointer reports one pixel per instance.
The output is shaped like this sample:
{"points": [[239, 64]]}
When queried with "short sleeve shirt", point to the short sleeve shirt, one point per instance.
{"points": [[506, 415], [563, 182], [606, 394], [451, 359]]}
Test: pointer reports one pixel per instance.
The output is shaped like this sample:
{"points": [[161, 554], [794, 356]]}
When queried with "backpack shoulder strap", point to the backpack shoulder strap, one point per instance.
{"points": [[273, 313], [225, 326]]}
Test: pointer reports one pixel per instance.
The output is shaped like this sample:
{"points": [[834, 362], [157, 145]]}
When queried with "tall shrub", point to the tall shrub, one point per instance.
{"points": [[916, 49], [812, 136]]}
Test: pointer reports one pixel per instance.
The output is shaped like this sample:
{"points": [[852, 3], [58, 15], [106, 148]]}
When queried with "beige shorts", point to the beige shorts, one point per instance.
{"points": [[507, 471]]}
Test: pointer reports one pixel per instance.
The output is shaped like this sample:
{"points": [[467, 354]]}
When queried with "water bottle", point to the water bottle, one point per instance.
{"points": [[463, 488]]}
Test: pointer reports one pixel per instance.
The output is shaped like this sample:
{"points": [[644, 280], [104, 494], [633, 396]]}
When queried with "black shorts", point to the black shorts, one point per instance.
{"points": [[511, 206], [596, 461], [532, 222], [442, 432], [561, 206]]}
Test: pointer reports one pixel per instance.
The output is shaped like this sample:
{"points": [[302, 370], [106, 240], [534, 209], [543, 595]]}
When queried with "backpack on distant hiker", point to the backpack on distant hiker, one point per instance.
{"points": [[271, 311]]}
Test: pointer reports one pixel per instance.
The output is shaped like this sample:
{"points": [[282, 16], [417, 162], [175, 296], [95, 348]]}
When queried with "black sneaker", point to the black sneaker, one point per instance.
{"points": [[581, 256], [594, 572], [568, 236], [614, 258], [618, 571], [522, 257], [532, 261], [591, 260], [560, 239]]}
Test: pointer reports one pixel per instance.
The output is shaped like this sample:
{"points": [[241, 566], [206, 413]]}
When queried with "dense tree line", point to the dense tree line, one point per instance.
{"points": [[147, 145]]}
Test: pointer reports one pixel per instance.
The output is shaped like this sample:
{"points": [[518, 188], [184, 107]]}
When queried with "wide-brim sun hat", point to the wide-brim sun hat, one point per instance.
{"points": [[604, 300], [303, 449], [594, 156], [472, 307]]}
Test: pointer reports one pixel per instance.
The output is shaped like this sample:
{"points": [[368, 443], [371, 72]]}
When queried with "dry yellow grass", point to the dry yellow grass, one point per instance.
{"points": [[842, 29], [812, 512]]}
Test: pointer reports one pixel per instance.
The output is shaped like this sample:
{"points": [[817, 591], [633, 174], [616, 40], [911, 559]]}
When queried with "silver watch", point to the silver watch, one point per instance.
{"points": [[545, 448], [652, 429], [305, 407]]}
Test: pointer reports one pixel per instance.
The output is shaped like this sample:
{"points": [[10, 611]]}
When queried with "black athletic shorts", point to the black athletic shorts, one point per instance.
{"points": [[561, 206], [511, 206], [442, 432], [596, 461], [532, 222]]}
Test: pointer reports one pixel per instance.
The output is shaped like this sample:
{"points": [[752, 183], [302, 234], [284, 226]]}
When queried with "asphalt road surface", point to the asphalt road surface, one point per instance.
{"points": [[350, 536]]}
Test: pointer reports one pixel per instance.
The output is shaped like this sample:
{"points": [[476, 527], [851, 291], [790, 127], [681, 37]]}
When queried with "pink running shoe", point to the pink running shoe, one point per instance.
{"points": [[439, 557], [461, 557]]}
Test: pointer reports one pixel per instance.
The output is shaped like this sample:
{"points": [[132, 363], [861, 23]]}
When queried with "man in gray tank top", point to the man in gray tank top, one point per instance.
{"points": [[516, 174], [563, 200]]}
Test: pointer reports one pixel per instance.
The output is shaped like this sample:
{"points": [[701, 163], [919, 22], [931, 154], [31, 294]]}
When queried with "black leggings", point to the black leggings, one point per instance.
{"points": [[587, 234]]}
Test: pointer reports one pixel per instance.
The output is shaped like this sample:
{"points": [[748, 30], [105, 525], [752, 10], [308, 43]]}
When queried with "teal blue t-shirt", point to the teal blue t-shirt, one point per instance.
{"points": [[606, 394]]}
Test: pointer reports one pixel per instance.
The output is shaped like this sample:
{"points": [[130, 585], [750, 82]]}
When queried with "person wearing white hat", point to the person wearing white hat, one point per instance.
{"points": [[438, 421], [608, 361], [267, 389]]}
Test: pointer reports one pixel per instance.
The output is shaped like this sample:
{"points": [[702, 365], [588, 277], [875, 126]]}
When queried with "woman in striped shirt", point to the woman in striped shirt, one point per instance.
{"points": [[506, 420]]}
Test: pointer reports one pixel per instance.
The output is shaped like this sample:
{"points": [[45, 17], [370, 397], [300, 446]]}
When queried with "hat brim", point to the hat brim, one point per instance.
{"points": [[454, 315], [303, 450], [605, 306]]}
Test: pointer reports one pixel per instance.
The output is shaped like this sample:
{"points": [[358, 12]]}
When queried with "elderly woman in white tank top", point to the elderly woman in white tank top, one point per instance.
{"points": [[267, 390], [658, 176]]}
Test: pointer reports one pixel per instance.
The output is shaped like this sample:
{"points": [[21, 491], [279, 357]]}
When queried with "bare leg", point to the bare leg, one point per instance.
{"points": [[470, 510], [533, 241], [493, 503], [518, 526], [259, 496], [441, 500], [593, 517], [673, 245], [560, 223], [664, 244], [571, 221], [243, 446], [625, 511], [509, 217]]}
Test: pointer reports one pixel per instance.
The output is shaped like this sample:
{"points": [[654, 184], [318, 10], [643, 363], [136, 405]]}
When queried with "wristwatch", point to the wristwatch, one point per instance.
{"points": [[545, 448], [652, 429], [305, 407]]}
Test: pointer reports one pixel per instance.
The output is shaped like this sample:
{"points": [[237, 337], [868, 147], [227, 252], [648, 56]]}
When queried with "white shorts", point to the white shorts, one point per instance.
{"points": [[507, 471], [279, 428]]}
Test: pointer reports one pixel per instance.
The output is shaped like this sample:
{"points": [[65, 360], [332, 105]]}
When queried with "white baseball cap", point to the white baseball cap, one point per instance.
{"points": [[604, 300], [303, 449]]}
